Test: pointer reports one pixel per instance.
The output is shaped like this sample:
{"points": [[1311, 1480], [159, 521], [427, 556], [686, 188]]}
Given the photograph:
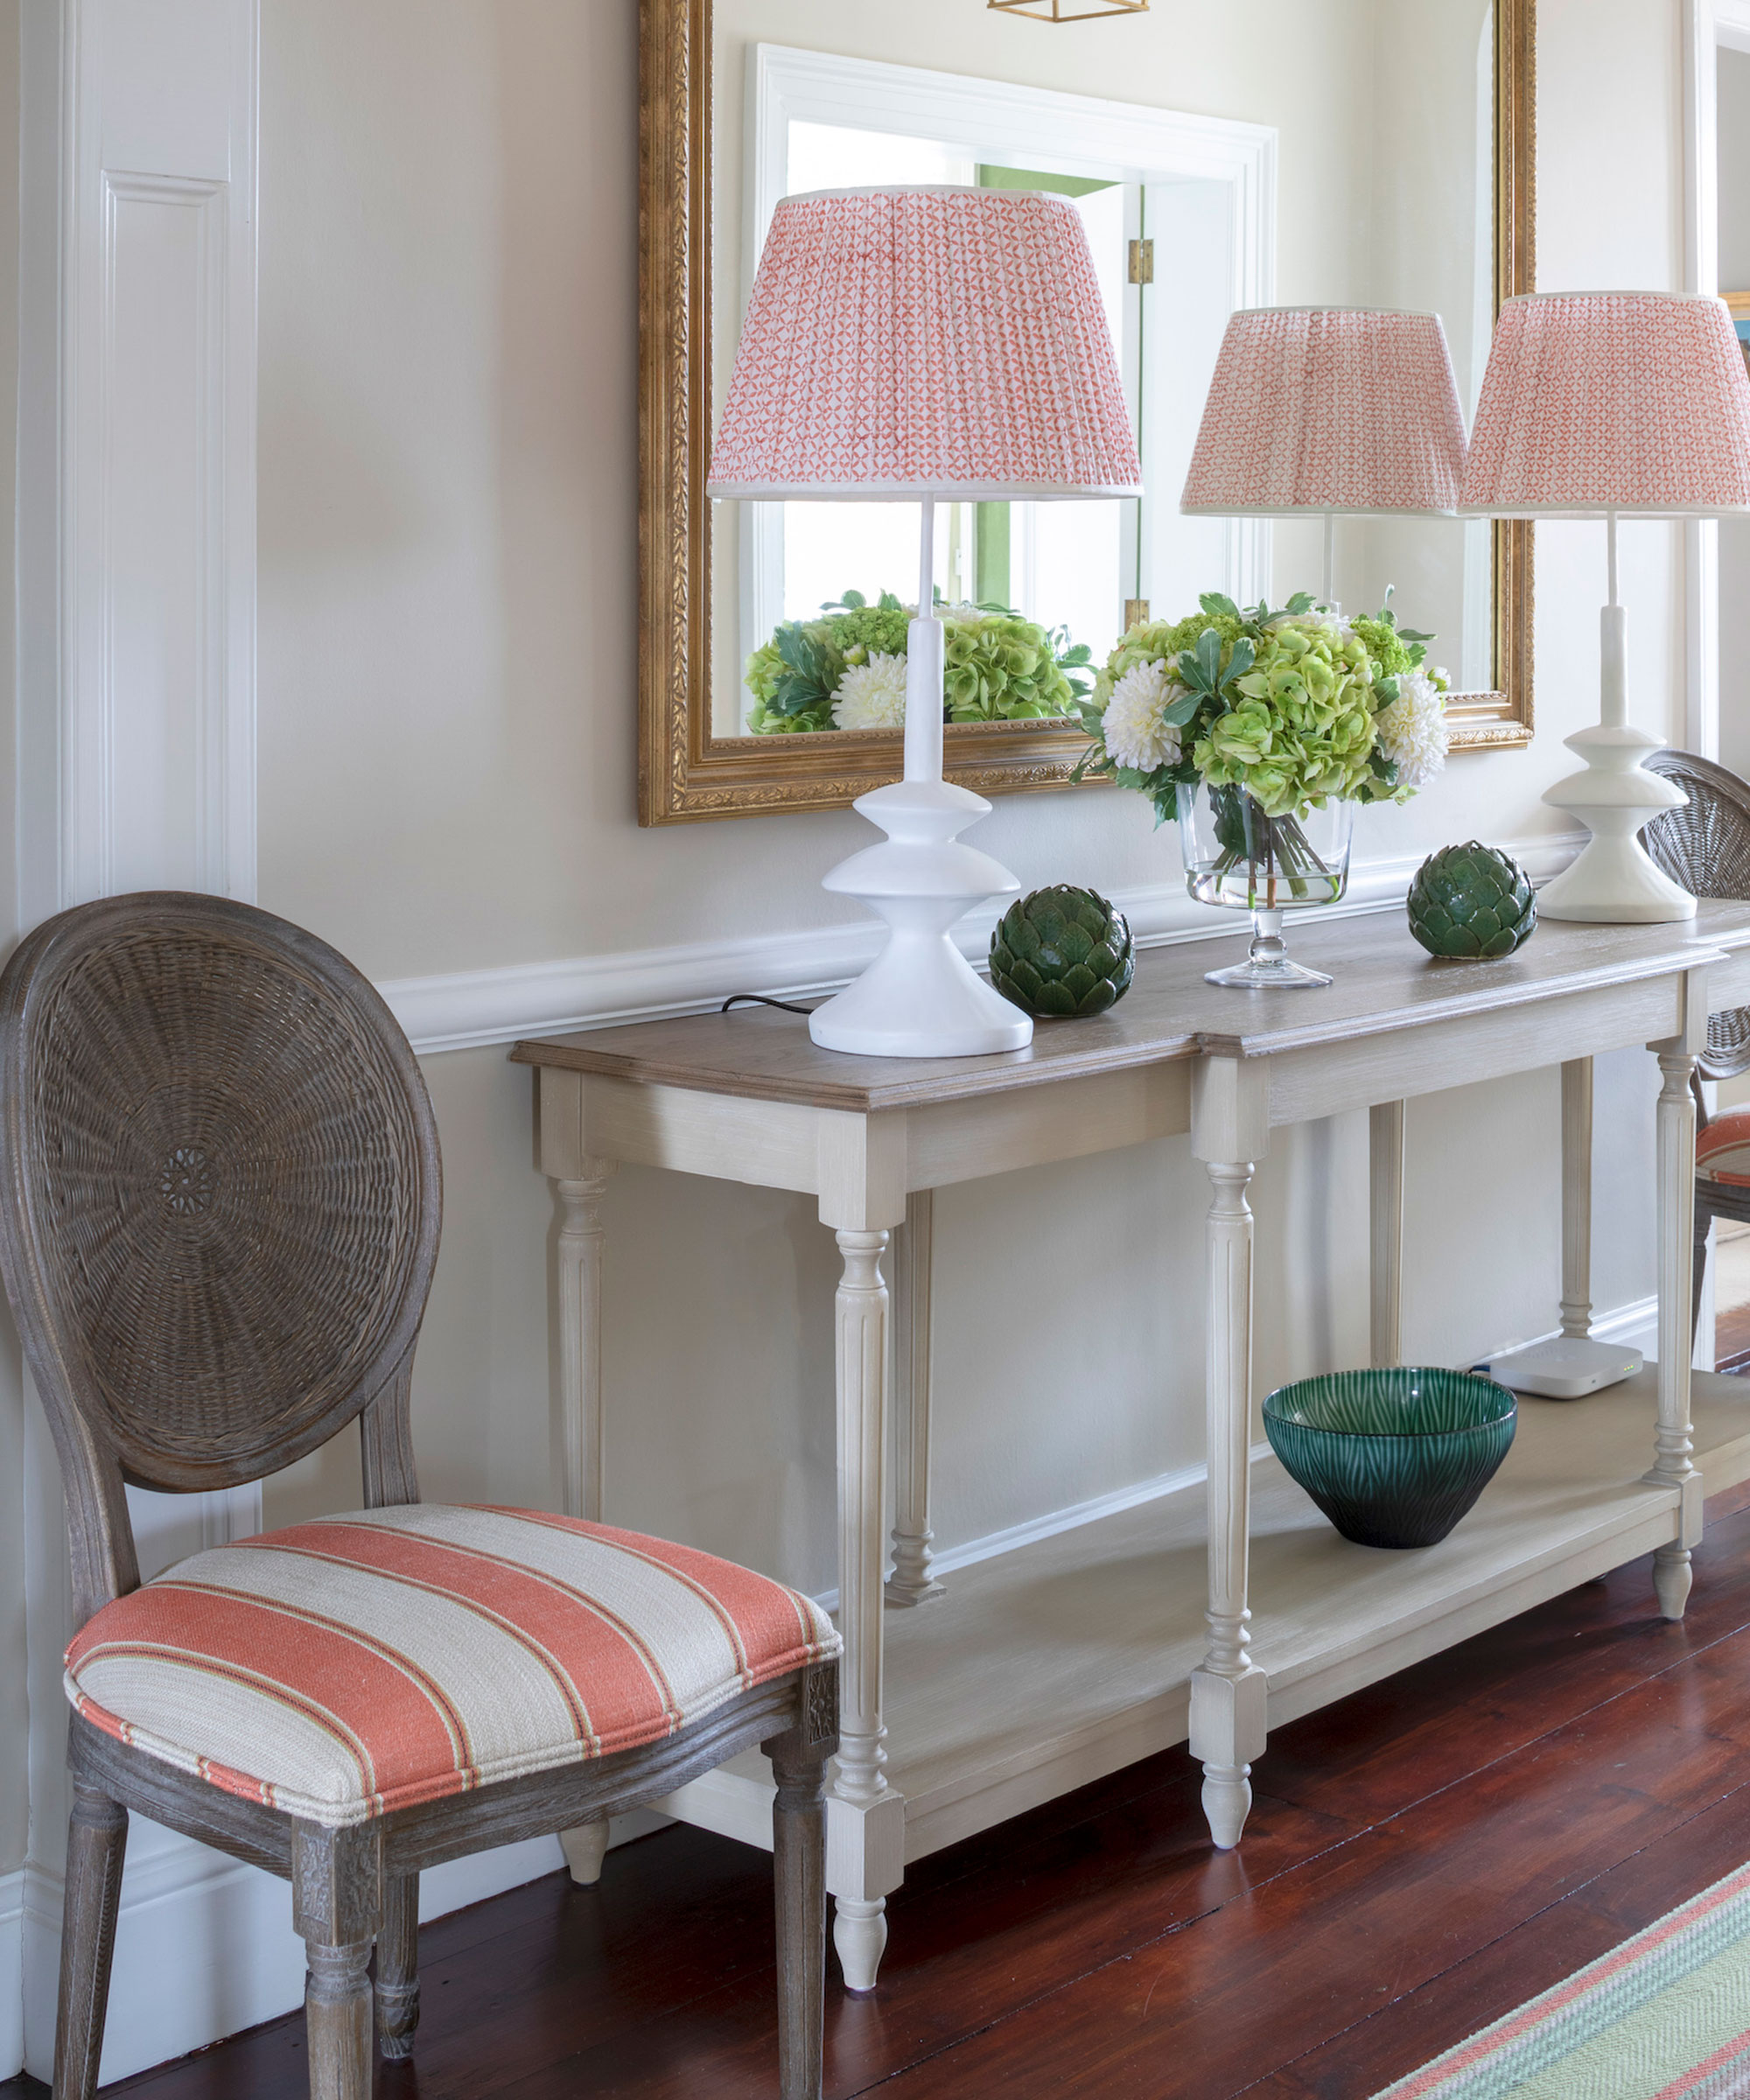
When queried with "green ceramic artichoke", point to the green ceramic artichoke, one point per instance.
{"points": [[1063, 953], [1471, 902]]}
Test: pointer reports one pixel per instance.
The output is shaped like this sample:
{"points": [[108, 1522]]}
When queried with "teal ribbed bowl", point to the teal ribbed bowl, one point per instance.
{"points": [[1393, 1457]]}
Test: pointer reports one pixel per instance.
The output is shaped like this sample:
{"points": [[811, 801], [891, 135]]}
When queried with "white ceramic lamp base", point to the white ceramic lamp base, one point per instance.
{"points": [[1613, 882], [920, 997]]}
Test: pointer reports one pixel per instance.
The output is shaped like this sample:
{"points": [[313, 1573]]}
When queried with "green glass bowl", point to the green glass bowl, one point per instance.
{"points": [[1393, 1457]]}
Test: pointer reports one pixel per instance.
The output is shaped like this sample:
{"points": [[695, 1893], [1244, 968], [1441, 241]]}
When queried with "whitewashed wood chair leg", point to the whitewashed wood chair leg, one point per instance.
{"points": [[1385, 1190], [865, 1828], [336, 1885], [1673, 1462], [911, 1582], [581, 1243], [1576, 1197], [396, 1983], [97, 1841], [586, 1848], [799, 1886]]}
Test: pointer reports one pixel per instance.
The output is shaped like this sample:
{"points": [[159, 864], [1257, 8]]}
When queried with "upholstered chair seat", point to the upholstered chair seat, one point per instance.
{"points": [[367, 1663], [1723, 1149]]}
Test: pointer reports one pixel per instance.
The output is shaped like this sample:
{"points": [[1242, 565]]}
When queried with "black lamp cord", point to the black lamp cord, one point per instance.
{"points": [[758, 998]]}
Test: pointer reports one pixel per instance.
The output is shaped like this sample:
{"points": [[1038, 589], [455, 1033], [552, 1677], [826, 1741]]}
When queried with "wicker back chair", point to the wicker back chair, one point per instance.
{"points": [[219, 1219], [1706, 846]]}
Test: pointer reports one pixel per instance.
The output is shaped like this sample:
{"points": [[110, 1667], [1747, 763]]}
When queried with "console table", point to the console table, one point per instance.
{"points": [[1213, 1612]]}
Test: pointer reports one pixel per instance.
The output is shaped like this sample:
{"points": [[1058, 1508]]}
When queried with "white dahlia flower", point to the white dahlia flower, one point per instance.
{"points": [[1134, 733], [871, 695], [1412, 730]]}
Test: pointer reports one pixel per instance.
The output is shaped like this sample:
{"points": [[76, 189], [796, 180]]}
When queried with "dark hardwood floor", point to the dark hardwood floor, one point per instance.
{"points": [[1421, 1858]]}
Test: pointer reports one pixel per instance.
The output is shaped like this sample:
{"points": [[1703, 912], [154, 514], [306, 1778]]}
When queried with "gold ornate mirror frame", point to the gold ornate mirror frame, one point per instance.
{"points": [[684, 772]]}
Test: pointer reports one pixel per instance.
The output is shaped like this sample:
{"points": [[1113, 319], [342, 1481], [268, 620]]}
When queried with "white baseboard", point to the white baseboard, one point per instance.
{"points": [[11, 1973], [471, 1009], [204, 1945]]}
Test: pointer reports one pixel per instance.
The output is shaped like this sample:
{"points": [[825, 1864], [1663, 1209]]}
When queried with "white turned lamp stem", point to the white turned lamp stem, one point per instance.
{"points": [[924, 663], [1614, 645]]}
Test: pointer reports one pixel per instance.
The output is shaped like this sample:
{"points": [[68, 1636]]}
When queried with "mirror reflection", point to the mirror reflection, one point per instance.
{"points": [[1270, 151]]}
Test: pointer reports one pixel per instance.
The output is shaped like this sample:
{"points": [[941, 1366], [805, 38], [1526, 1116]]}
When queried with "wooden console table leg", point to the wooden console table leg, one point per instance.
{"points": [[1230, 1129], [1577, 1198], [867, 1824], [1385, 1176], [581, 1240], [1672, 1465], [911, 1583]]}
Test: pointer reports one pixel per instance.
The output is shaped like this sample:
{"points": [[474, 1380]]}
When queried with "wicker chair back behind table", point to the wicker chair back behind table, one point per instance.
{"points": [[1706, 846]]}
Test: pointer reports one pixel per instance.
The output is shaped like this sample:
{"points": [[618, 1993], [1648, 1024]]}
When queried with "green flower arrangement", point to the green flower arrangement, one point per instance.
{"points": [[1287, 710], [847, 669]]}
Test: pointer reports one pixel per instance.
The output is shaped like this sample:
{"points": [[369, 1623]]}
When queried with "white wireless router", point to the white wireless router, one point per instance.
{"points": [[1566, 1369]]}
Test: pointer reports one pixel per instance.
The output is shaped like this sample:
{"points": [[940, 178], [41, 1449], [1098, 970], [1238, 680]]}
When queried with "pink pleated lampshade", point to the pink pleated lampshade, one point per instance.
{"points": [[903, 343], [1593, 401], [1331, 409]]}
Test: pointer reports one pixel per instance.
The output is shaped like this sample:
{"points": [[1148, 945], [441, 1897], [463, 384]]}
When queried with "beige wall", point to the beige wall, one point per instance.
{"points": [[448, 531], [1734, 534], [14, 1770]]}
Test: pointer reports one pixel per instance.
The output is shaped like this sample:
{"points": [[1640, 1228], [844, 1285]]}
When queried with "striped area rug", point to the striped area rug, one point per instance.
{"points": [[1664, 2017]]}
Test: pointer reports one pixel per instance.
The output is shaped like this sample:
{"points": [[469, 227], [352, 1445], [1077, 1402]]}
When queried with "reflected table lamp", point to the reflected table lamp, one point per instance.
{"points": [[924, 346], [1350, 411], [1604, 405]]}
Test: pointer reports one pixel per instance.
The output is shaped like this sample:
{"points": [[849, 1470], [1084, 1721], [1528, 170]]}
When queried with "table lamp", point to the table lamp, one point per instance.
{"points": [[1347, 411], [1608, 404], [924, 346]]}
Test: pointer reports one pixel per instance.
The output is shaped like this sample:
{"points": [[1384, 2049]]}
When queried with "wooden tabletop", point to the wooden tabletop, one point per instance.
{"points": [[1383, 982]]}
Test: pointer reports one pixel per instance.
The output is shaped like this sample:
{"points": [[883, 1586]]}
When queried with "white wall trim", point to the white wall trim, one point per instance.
{"points": [[471, 1010], [12, 1973]]}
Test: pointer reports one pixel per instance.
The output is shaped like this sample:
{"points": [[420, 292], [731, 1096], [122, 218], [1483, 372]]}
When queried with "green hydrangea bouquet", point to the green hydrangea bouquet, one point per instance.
{"points": [[1292, 708], [847, 669]]}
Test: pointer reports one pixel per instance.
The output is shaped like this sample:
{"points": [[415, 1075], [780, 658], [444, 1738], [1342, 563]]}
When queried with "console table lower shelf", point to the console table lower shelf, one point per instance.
{"points": [[1053, 1664]]}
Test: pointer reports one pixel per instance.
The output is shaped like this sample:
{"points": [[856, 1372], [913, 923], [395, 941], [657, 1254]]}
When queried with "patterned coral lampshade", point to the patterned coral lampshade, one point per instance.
{"points": [[904, 343], [1328, 408], [1635, 402]]}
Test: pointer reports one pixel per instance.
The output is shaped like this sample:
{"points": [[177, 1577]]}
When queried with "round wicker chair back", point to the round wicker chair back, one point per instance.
{"points": [[221, 1191], [1706, 847]]}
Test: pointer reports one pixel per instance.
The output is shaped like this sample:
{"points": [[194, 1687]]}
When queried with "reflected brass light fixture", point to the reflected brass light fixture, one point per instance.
{"points": [[1069, 11]]}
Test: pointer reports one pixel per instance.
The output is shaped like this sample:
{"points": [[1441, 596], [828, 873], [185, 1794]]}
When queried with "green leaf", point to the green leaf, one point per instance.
{"points": [[1240, 661], [855, 599], [1181, 711], [1218, 601], [890, 604], [1080, 654], [1413, 635], [1385, 691], [1301, 602], [1209, 659]]}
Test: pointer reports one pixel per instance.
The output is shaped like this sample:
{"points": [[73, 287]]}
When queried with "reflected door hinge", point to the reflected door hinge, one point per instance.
{"points": [[1142, 262], [1136, 614]]}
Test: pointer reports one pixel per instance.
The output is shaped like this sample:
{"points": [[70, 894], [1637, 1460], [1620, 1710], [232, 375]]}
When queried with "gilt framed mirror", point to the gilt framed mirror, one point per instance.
{"points": [[1340, 152]]}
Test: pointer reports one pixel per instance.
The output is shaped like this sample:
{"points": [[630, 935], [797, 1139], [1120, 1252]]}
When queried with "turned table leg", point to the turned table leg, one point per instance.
{"points": [[1385, 1178], [911, 1583], [1672, 1465], [866, 1833], [581, 1243], [1577, 1198], [1230, 1129]]}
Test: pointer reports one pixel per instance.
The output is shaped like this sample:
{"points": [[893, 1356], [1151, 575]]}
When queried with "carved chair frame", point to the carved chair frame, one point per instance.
{"points": [[355, 1889]]}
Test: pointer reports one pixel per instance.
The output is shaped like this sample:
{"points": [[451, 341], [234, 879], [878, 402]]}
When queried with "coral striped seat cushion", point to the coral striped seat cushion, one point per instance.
{"points": [[1723, 1149], [343, 1669]]}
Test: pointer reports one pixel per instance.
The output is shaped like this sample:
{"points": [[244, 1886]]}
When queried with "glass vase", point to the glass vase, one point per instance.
{"points": [[1236, 855]]}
